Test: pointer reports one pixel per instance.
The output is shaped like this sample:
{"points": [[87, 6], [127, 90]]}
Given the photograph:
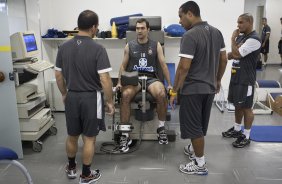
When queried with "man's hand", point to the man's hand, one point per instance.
{"points": [[229, 56], [110, 109], [235, 34], [169, 87], [263, 45], [118, 86], [64, 98], [172, 101]]}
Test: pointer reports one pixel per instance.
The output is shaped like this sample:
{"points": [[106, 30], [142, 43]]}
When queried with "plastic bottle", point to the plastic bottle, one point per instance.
{"points": [[114, 30]]}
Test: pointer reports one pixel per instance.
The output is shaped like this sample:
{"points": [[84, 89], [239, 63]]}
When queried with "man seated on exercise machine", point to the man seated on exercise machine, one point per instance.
{"points": [[142, 55]]}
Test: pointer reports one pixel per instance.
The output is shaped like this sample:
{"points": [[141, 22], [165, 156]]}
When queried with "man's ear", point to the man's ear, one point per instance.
{"points": [[190, 14]]}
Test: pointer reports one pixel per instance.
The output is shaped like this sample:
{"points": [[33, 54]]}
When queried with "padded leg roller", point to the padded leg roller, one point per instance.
{"points": [[125, 128]]}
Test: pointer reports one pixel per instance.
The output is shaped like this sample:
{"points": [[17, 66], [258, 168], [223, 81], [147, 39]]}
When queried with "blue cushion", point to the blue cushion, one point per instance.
{"points": [[274, 95], [268, 84], [7, 154]]}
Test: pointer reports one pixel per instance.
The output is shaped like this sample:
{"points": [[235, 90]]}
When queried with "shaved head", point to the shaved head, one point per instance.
{"points": [[248, 17]]}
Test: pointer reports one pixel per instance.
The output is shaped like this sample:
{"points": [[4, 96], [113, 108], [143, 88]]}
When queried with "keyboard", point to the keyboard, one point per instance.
{"points": [[39, 66]]}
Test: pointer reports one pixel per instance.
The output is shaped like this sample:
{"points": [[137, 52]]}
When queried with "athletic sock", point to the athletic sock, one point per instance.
{"points": [[247, 133], [72, 163], [237, 126], [86, 170], [201, 161], [161, 123]]}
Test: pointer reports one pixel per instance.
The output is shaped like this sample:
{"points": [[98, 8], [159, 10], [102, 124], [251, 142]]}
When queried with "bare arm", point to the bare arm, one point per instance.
{"points": [[181, 73], [234, 54], [61, 82], [163, 64], [124, 62], [221, 69], [266, 38], [107, 85]]}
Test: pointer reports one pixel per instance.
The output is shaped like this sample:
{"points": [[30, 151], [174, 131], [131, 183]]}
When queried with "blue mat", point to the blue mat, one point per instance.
{"points": [[266, 133]]}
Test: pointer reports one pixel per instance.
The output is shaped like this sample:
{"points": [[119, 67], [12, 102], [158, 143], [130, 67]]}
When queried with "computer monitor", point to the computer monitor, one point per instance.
{"points": [[23, 45]]}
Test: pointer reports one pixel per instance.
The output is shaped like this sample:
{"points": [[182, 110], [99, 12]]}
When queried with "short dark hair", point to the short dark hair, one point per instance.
{"points": [[264, 18], [191, 6], [248, 17], [143, 20], [281, 18], [87, 19]]}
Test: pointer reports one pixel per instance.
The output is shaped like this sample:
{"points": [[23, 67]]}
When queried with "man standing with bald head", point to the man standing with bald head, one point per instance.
{"points": [[245, 52]]}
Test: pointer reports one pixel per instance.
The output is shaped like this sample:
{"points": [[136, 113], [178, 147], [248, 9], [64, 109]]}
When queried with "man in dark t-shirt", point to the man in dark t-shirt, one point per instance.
{"points": [[265, 34], [245, 52], [201, 67], [81, 72], [144, 55]]}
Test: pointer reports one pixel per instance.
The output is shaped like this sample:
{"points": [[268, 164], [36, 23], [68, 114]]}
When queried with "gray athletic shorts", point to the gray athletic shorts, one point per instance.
{"points": [[238, 95], [84, 113], [194, 115]]}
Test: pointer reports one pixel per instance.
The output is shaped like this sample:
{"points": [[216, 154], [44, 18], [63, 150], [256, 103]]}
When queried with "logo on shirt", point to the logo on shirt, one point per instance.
{"points": [[245, 51], [150, 51], [143, 66], [143, 62], [78, 42]]}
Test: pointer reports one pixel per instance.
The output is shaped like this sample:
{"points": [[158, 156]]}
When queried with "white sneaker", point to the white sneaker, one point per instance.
{"points": [[193, 168], [162, 135], [189, 153], [124, 143], [71, 172], [94, 176]]}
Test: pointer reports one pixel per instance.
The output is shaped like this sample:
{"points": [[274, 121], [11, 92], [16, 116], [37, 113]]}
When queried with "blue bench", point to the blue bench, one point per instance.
{"points": [[8, 156]]}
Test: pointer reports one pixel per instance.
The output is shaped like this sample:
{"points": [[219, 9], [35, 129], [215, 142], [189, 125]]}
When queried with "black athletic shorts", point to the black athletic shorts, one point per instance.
{"points": [[265, 49], [194, 115], [238, 95], [84, 113]]}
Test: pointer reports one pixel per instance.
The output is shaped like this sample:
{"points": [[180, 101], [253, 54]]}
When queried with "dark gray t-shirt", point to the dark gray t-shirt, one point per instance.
{"points": [[265, 30], [203, 44], [142, 57], [81, 60]]}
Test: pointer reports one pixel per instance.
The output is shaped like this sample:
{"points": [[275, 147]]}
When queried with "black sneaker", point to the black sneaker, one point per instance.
{"points": [[162, 136], [241, 141], [124, 143], [94, 176], [232, 133]]}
